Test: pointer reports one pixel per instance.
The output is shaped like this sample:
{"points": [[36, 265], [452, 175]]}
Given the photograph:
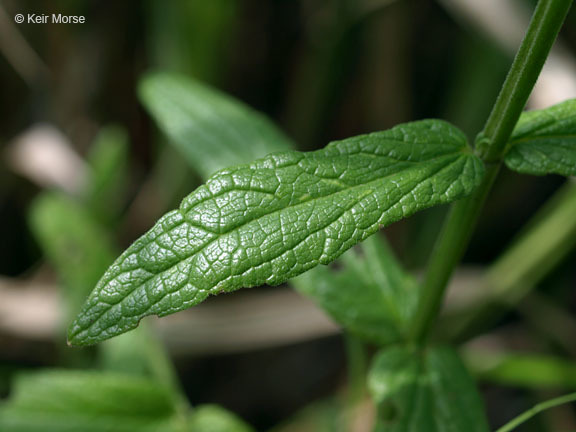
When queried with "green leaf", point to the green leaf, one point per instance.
{"points": [[75, 244], [211, 129], [212, 418], [128, 354], [368, 294], [276, 218], [527, 370], [108, 162], [80, 250], [544, 141], [67, 401], [424, 391]]}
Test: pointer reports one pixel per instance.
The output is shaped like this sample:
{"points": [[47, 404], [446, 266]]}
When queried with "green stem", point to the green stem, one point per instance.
{"points": [[356, 356], [458, 227], [542, 31], [164, 371], [448, 250], [514, 423], [356, 385]]}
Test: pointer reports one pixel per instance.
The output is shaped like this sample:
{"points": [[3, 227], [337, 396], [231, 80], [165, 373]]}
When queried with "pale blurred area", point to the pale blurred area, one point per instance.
{"points": [[505, 22]]}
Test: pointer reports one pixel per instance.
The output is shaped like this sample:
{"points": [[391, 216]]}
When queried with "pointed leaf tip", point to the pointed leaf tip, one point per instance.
{"points": [[273, 219]]}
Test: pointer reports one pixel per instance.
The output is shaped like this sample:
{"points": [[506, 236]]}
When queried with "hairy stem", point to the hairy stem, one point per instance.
{"points": [[453, 240]]}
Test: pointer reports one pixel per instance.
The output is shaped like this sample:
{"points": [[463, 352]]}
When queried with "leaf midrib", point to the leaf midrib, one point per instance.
{"points": [[456, 157]]}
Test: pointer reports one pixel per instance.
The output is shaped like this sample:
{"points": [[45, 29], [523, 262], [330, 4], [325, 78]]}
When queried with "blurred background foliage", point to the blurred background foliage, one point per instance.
{"points": [[87, 164]]}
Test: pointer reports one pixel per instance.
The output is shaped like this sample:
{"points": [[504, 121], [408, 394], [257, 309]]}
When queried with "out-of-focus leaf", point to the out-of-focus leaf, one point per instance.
{"points": [[544, 141], [424, 391], [523, 369], [213, 418], [127, 353], [67, 401], [108, 162], [276, 218], [191, 37], [327, 415], [78, 248], [368, 294], [211, 129]]}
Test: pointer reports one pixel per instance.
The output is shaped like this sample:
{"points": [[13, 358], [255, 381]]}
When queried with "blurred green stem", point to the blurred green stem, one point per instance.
{"points": [[356, 356], [514, 423], [542, 31], [357, 368], [164, 371], [551, 237]]}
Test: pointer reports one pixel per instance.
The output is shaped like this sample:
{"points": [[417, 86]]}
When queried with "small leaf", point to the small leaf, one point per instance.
{"points": [[272, 220], [370, 295], [424, 391], [211, 129], [212, 418], [75, 244], [544, 141], [108, 162], [67, 401]]}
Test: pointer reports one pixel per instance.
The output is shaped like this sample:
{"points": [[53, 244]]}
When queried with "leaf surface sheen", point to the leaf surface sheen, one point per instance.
{"points": [[544, 141], [271, 220]]}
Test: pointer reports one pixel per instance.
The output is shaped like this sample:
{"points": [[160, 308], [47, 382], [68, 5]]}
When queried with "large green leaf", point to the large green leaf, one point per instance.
{"points": [[369, 293], [544, 141], [276, 218], [211, 129], [424, 391], [212, 418], [67, 401]]}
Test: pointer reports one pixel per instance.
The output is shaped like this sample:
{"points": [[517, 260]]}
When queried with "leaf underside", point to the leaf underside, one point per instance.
{"points": [[370, 295], [424, 391], [271, 220], [544, 141]]}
